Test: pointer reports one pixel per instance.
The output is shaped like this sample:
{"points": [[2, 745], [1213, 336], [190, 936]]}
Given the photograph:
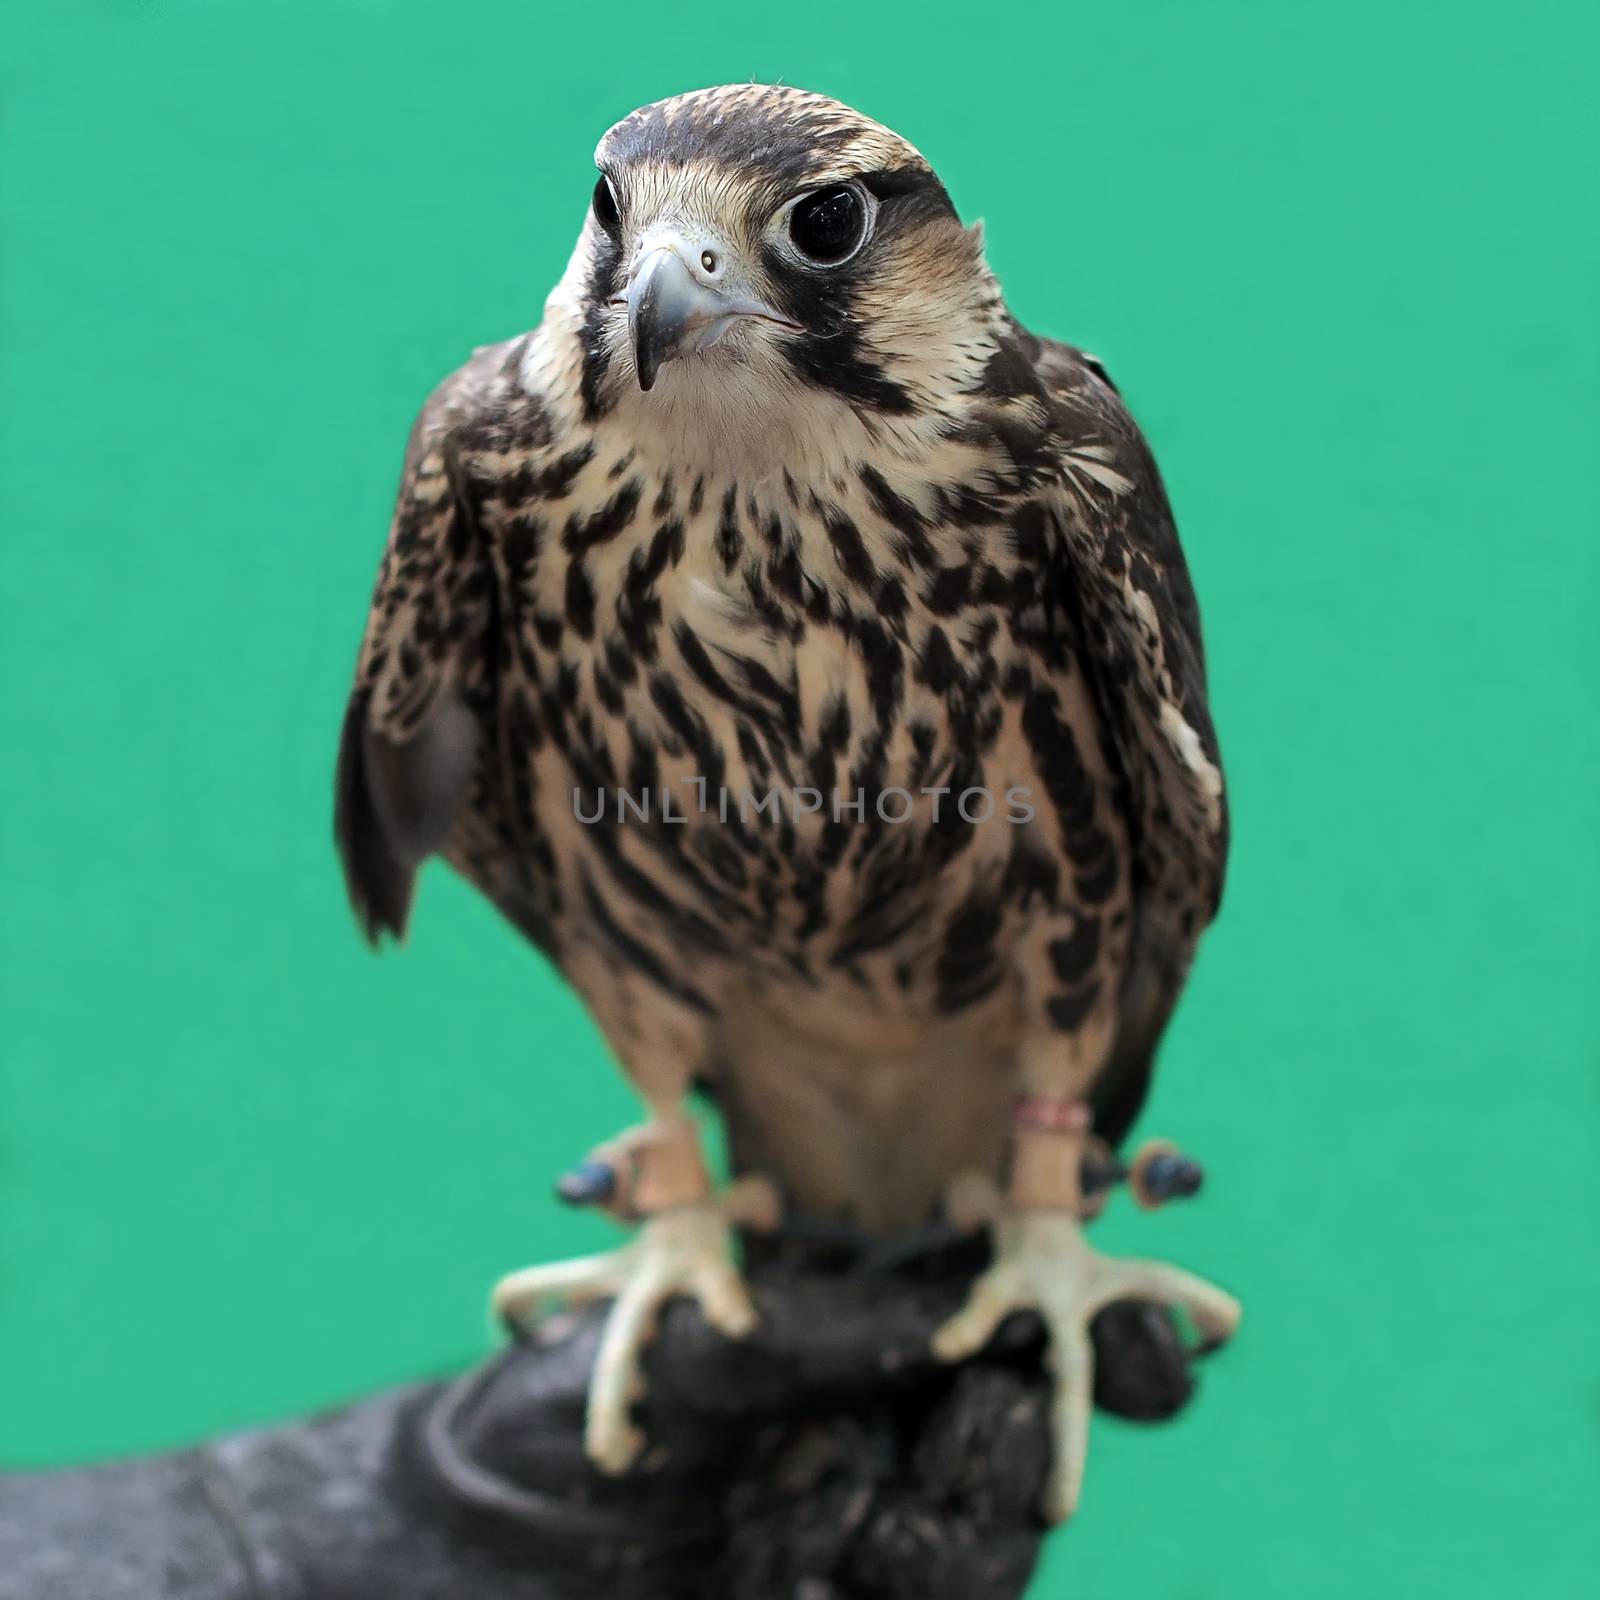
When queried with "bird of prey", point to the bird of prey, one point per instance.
{"points": [[800, 653]]}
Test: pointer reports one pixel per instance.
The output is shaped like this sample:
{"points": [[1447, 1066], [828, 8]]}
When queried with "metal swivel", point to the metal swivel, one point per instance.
{"points": [[1158, 1173], [590, 1183]]}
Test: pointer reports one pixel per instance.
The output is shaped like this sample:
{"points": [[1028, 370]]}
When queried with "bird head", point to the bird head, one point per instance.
{"points": [[757, 245]]}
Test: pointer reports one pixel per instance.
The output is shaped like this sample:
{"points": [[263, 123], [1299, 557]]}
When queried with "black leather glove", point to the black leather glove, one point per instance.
{"points": [[829, 1457]]}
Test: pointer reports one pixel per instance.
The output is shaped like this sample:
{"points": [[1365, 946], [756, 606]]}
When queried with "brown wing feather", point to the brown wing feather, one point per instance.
{"points": [[414, 725], [1142, 627]]}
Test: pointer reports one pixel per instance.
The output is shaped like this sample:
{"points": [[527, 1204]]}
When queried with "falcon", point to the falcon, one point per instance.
{"points": [[800, 653]]}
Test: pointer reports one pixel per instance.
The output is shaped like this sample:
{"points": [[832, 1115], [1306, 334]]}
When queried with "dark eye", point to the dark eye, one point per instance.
{"points": [[828, 226], [605, 205]]}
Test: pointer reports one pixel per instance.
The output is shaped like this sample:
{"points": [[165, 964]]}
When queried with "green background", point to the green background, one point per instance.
{"points": [[1343, 264]]}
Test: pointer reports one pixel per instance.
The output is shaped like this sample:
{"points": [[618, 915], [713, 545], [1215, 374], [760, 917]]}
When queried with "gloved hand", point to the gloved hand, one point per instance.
{"points": [[829, 1457]]}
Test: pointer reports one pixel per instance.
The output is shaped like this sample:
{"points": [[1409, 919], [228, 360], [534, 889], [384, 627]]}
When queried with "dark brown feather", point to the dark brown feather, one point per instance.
{"points": [[1178, 860]]}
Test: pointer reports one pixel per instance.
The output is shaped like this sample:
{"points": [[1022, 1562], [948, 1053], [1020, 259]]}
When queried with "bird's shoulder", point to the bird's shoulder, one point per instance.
{"points": [[1082, 442], [1065, 397], [489, 415], [1066, 367]]}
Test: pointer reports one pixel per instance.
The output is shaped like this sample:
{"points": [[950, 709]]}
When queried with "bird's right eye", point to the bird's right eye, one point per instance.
{"points": [[605, 205]]}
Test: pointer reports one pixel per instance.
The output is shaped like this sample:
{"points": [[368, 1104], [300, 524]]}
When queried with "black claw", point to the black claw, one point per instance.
{"points": [[1173, 1177], [590, 1183]]}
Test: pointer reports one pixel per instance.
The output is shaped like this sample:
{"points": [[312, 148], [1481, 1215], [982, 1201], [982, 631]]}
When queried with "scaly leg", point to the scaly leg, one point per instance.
{"points": [[1043, 1263], [653, 1176], [684, 1246]]}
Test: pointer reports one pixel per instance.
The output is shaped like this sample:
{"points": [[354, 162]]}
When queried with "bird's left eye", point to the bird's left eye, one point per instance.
{"points": [[605, 205], [827, 227]]}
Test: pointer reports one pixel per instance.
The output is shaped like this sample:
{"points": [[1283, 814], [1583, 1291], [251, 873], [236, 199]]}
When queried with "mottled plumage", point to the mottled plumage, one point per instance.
{"points": [[879, 538]]}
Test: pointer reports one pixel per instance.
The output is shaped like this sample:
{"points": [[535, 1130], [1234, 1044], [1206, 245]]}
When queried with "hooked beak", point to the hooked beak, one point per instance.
{"points": [[673, 310]]}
